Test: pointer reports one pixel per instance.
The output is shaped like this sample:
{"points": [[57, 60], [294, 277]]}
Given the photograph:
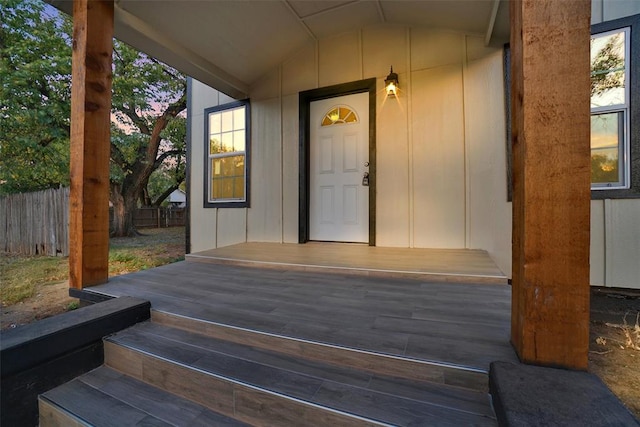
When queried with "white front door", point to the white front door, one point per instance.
{"points": [[339, 151]]}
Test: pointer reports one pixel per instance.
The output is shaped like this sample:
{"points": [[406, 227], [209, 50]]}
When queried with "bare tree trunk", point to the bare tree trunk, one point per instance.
{"points": [[145, 199], [124, 206]]}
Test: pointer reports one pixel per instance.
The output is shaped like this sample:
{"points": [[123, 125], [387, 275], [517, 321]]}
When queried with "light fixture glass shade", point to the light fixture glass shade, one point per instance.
{"points": [[391, 83]]}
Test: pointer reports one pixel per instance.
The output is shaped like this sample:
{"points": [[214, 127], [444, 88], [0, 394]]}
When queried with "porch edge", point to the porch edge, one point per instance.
{"points": [[357, 271]]}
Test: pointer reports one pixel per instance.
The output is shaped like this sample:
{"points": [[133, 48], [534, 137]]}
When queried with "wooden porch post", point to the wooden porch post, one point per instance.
{"points": [[90, 142], [551, 181]]}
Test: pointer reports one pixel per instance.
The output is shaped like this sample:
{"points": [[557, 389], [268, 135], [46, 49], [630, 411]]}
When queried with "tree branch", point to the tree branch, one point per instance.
{"points": [[165, 69], [166, 194], [161, 123], [118, 157], [116, 52], [137, 120], [46, 141], [164, 156]]}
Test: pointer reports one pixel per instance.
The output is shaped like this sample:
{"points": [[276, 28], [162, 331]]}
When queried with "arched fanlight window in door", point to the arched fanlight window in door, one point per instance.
{"points": [[340, 115]]}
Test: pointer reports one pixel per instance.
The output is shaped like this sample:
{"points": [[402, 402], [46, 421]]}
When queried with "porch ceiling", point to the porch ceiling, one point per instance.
{"points": [[230, 44]]}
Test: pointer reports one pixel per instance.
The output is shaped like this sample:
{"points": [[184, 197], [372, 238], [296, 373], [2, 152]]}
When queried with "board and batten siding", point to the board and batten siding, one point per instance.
{"points": [[209, 228], [441, 162], [441, 158], [615, 223]]}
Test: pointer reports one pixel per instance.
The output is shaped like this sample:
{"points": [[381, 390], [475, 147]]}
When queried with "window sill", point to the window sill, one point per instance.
{"points": [[615, 194], [243, 204]]}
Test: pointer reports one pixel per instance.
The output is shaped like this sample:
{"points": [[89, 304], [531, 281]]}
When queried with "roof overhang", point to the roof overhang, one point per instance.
{"points": [[228, 45]]}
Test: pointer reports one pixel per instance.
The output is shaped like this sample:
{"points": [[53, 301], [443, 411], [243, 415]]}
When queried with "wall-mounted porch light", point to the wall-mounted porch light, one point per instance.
{"points": [[391, 83]]}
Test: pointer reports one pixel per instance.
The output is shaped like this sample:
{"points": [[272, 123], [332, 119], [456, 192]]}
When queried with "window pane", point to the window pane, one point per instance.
{"points": [[227, 121], [215, 144], [339, 115], [606, 143], [239, 140], [227, 178], [216, 188], [608, 72], [238, 119], [350, 117], [227, 142], [214, 123]]}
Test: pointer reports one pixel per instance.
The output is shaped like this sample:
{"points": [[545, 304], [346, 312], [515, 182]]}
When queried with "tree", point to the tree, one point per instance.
{"points": [[148, 132], [35, 78], [171, 175], [147, 98]]}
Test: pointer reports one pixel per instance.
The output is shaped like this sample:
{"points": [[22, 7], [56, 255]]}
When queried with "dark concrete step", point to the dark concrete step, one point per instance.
{"points": [[527, 395], [36, 357], [264, 387], [105, 397]]}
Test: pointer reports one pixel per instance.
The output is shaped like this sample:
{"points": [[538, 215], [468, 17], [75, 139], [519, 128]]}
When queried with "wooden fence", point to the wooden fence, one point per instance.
{"points": [[35, 223], [147, 217], [38, 223]]}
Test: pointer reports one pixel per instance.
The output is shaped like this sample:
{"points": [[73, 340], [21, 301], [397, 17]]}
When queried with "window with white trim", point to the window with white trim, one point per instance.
{"points": [[610, 150], [227, 161]]}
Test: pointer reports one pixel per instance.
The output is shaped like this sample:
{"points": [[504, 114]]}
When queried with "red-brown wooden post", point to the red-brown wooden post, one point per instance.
{"points": [[90, 142], [551, 181]]}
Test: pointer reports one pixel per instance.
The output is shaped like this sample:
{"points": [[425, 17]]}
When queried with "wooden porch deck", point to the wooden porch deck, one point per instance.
{"points": [[289, 346], [462, 324], [467, 265]]}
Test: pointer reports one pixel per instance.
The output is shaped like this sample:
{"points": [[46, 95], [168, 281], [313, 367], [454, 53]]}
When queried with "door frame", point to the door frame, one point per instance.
{"points": [[305, 100]]}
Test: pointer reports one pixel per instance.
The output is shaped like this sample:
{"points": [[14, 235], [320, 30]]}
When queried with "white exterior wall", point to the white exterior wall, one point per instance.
{"points": [[441, 158], [615, 243], [615, 223], [441, 168], [608, 10], [210, 228]]}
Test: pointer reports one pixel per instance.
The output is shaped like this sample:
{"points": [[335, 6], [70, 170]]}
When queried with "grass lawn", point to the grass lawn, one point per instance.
{"points": [[158, 246], [24, 278], [22, 275]]}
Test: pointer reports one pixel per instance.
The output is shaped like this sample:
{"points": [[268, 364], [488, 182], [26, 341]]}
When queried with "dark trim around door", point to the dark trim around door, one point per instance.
{"points": [[305, 99]]}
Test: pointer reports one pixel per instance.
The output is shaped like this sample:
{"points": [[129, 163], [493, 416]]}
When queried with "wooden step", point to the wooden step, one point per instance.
{"points": [[497, 279], [442, 265], [263, 387], [105, 397], [375, 362]]}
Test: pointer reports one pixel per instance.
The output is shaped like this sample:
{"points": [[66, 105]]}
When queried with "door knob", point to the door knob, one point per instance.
{"points": [[365, 179]]}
